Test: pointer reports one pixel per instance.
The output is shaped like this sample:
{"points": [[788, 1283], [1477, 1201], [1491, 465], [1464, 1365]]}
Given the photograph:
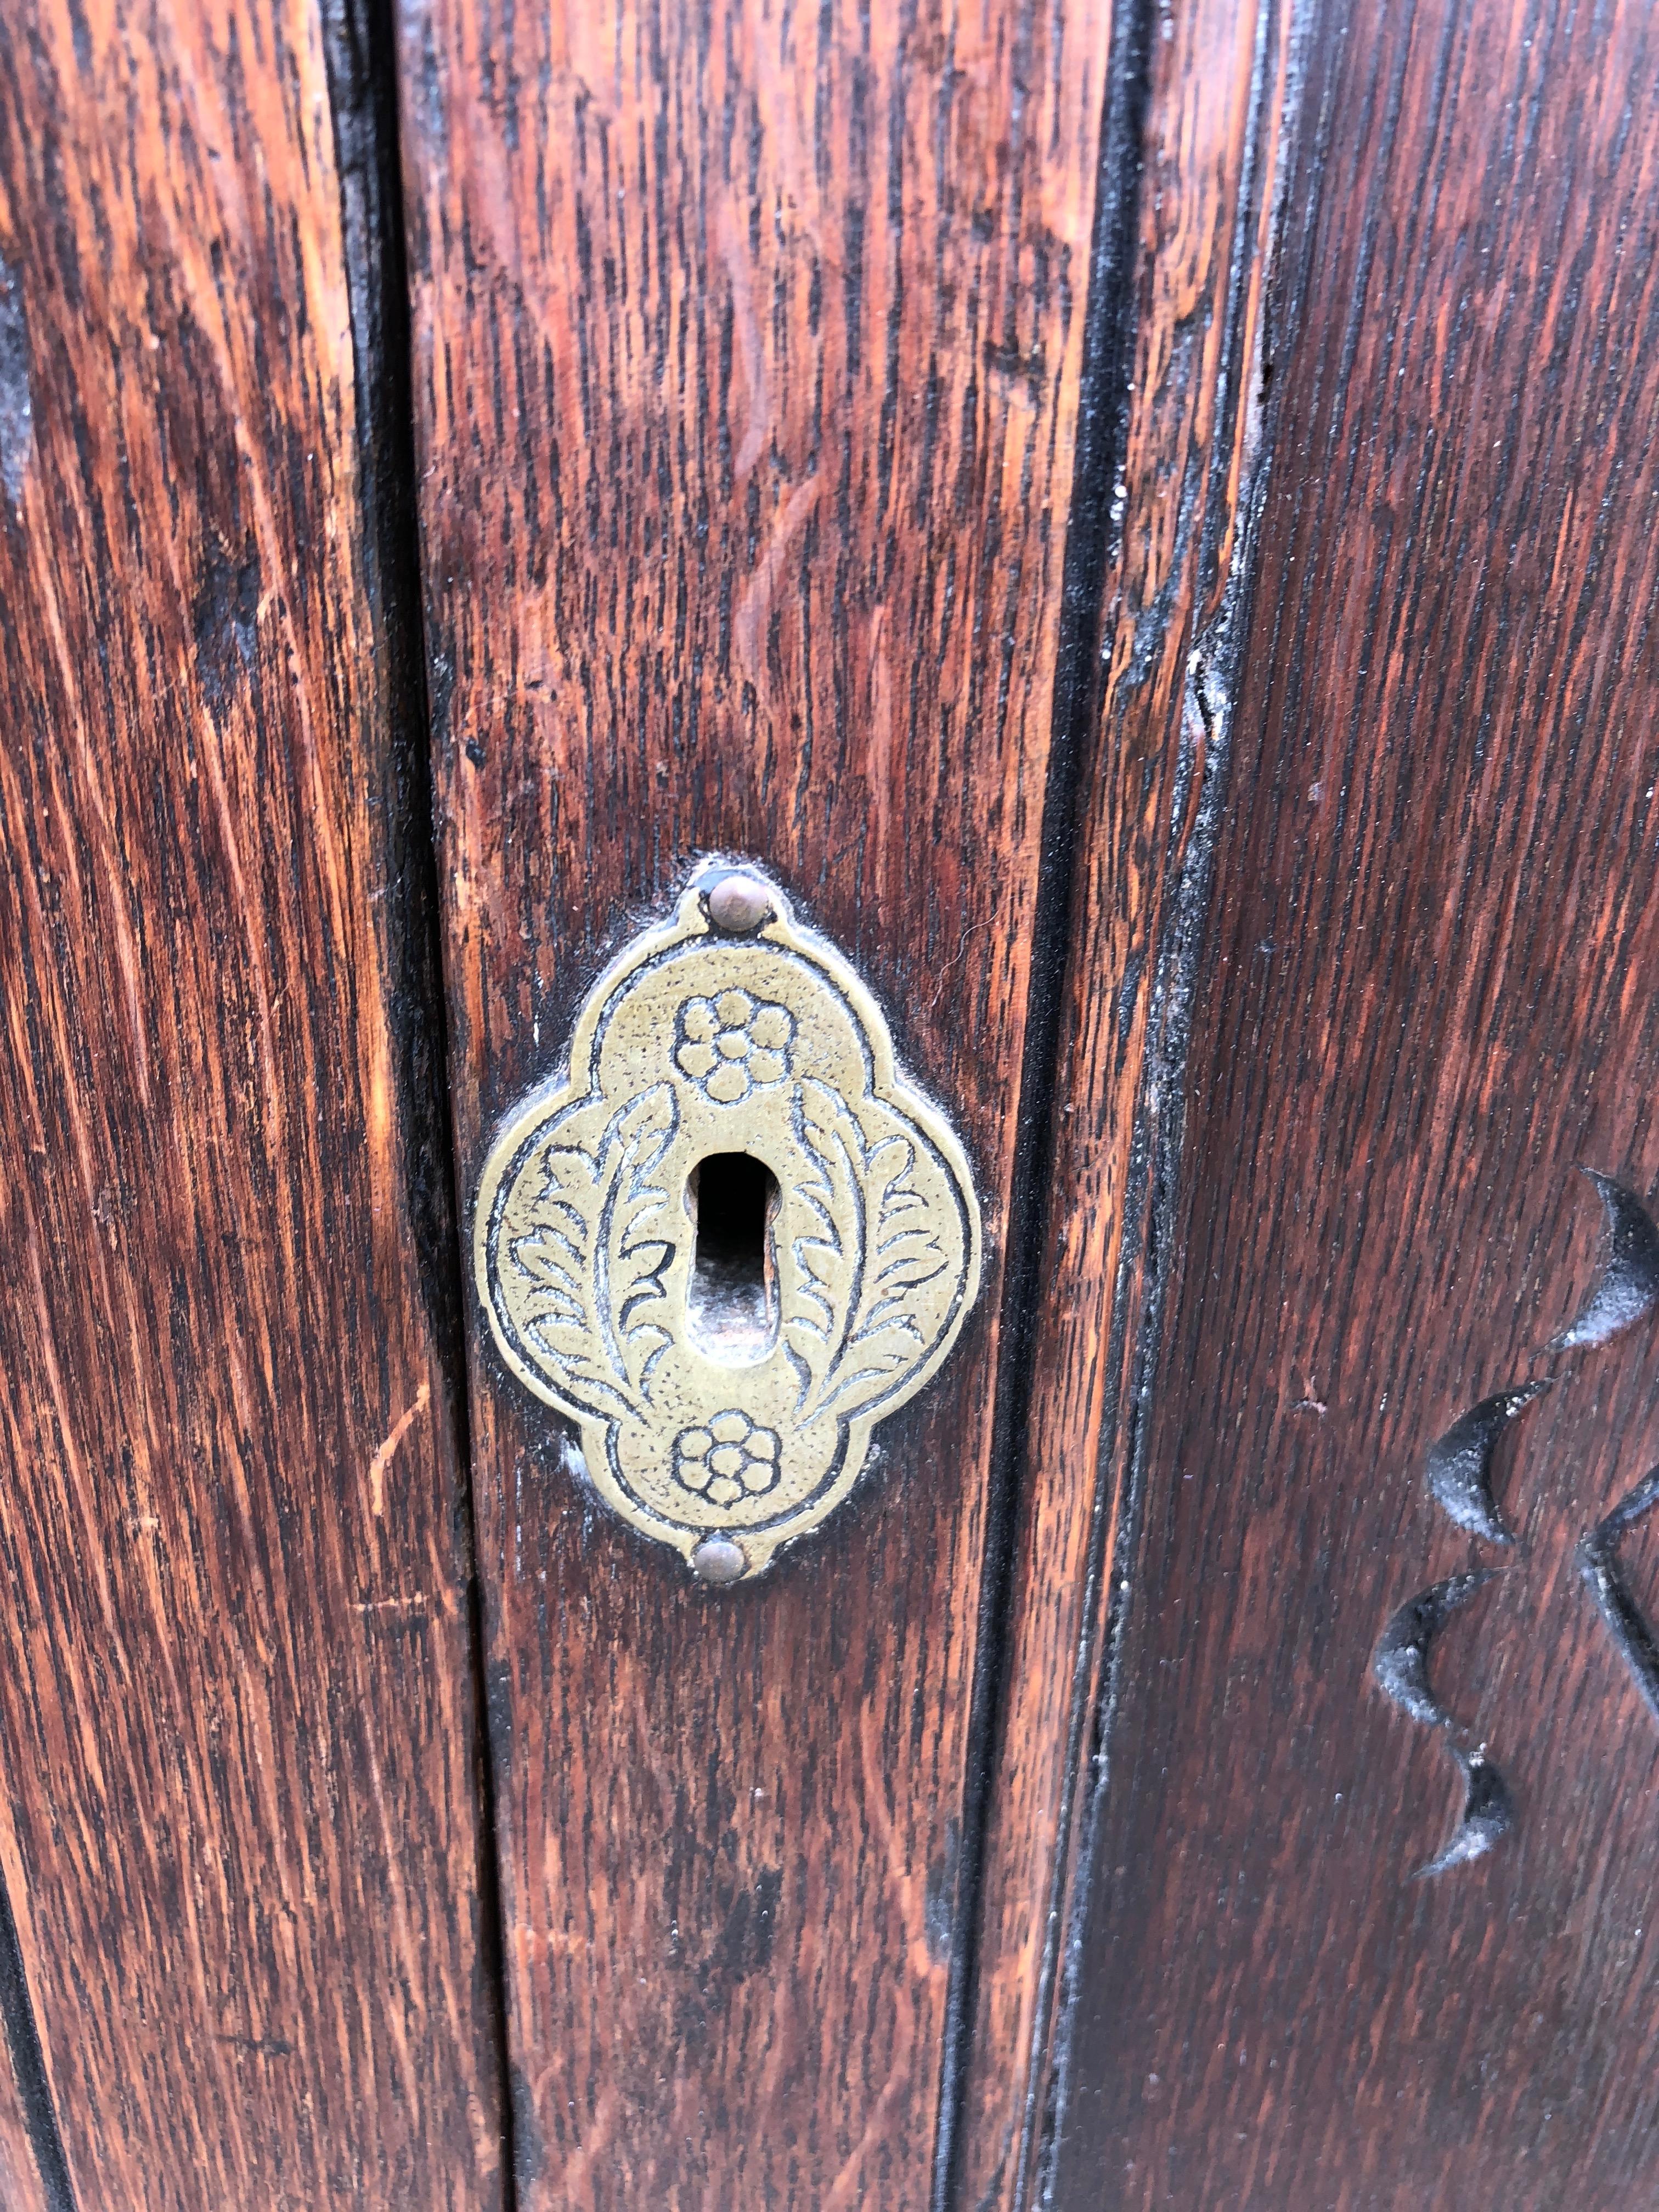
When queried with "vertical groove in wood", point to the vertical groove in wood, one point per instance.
{"points": [[236, 1725], [359, 44], [747, 361], [359, 55], [1103, 401], [1217, 104]]}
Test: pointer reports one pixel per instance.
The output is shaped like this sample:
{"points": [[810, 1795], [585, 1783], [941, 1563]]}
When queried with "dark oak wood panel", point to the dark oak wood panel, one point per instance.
{"points": [[238, 1823], [1427, 1000], [1209, 144], [747, 362]]}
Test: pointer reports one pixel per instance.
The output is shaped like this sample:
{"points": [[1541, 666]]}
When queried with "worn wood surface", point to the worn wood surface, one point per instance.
{"points": [[746, 359], [1426, 997], [1208, 145], [237, 1812]]}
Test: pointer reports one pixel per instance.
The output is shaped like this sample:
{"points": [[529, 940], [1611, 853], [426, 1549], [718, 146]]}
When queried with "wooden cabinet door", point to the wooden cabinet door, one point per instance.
{"points": [[1114, 546]]}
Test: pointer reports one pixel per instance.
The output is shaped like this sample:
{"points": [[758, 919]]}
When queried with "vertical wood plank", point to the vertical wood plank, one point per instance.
{"points": [[1219, 85], [1426, 1000], [236, 1735], [747, 355]]}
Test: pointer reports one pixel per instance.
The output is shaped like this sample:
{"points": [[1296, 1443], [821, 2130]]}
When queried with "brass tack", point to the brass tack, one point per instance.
{"points": [[718, 1559], [737, 905]]}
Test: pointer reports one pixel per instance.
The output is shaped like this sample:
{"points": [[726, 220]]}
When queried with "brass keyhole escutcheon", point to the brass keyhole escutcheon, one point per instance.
{"points": [[732, 1237]]}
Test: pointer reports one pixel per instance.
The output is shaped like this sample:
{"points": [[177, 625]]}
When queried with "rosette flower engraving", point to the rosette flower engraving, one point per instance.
{"points": [[733, 1045], [733, 1455]]}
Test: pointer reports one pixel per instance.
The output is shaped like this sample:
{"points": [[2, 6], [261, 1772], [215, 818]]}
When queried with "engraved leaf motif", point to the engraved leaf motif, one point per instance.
{"points": [[589, 1268], [830, 1249], [630, 1253], [904, 1254], [870, 1247], [549, 1248]]}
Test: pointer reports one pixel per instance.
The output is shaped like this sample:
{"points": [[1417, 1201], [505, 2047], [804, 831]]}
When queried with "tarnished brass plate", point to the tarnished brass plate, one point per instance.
{"points": [[725, 1374]]}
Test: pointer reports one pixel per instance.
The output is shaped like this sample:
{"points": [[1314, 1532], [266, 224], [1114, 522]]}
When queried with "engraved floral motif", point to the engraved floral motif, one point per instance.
{"points": [[733, 1044], [733, 1455]]}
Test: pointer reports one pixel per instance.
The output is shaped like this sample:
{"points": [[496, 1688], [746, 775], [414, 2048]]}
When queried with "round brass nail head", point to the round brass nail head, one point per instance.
{"points": [[739, 905], [718, 1559]]}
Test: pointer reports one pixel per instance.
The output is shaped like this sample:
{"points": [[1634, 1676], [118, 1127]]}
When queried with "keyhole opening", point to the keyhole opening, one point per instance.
{"points": [[731, 1300]]}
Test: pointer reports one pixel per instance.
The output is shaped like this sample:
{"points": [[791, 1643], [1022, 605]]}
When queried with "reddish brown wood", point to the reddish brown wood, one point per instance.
{"points": [[1209, 145], [237, 1821], [21, 2186], [1427, 996], [747, 356], [18, 2176]]}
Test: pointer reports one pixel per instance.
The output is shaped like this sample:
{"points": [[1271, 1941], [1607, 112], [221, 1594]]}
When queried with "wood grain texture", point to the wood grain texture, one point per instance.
{"points": [[747, 356], [1209, 143], [21, 2186], [20, 2177], [237, 1823], [32, 2162], [1426, 998]]}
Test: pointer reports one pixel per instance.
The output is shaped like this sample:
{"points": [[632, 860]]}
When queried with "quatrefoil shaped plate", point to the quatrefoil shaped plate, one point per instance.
{"points": [[726, 1421]]}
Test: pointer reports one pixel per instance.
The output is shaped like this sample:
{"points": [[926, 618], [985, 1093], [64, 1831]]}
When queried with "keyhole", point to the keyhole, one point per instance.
{"points": [[732, 1200]]}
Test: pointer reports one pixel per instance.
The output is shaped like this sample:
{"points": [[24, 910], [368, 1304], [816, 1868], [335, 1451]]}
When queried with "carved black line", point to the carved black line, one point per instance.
{"points": [[1459, 1464], [1400, 1661], [1627, 1287], [1400, 1666], [1488, 1814], [1598, 1562]]}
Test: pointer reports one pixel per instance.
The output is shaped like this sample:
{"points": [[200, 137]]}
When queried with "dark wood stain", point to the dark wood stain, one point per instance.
{"points": [[237, 1827], [1427, 1000], [747, 351]]}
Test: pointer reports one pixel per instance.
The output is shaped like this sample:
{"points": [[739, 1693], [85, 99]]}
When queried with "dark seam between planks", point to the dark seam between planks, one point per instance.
{"points": [[29, 2066], [359, 48], [1102, 418], [1155, 1154]]}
